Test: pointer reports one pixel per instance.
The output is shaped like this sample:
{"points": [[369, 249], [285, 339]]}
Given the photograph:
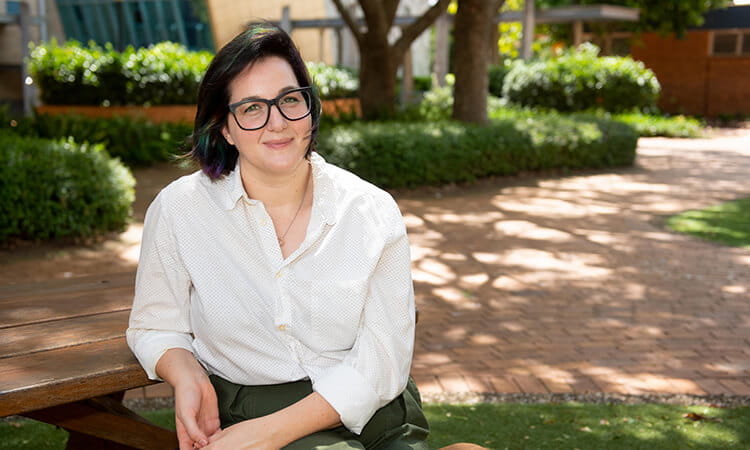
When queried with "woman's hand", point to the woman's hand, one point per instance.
{"points": [[251, 434], [196, 408], [308, 415]]}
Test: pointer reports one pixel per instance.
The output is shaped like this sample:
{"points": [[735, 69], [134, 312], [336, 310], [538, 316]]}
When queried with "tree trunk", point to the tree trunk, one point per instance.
{"points": [[472, 31], [377, 79], [379, 60]]}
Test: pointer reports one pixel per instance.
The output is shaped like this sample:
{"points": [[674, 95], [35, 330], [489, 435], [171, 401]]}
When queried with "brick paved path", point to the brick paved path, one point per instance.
{"points": [[573, 284]]}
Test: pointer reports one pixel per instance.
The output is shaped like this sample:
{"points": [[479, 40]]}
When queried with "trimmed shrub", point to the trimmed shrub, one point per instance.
{"points": [[497, 73], [74, 74], [165, 73], [51, 189], [582, 80], [333, 81], [397, 154], [135, 141]]}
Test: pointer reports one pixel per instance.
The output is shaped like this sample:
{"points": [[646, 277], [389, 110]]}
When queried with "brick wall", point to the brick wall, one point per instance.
{"points": [[692, 81], [728, 86]]}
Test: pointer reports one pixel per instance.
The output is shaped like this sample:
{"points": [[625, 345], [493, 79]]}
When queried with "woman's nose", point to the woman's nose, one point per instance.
{"points": [[276, 121]]}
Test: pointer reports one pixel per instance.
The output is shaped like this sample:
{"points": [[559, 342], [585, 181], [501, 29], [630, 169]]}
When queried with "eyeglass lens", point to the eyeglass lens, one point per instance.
{"points": [[293, 105]]}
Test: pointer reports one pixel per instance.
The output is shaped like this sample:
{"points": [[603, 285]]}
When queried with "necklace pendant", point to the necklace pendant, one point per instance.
{"points": [[281, 242]]}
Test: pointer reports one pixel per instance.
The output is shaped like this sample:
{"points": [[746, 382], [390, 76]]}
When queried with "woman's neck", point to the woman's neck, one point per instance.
{"points": [[277, 191]]}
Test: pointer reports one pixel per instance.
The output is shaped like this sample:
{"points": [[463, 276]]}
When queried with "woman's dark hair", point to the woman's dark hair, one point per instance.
{"points": [[208, 147]]}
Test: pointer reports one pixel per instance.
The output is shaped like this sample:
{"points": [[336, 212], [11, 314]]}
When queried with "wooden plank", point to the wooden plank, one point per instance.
{"points": [[52, 335], [24, 310], [77, 284], [55, 377], [107, 419]]}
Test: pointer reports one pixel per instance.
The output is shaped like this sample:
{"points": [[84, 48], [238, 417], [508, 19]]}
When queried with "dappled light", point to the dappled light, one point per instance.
{"points": [[573, 284]]}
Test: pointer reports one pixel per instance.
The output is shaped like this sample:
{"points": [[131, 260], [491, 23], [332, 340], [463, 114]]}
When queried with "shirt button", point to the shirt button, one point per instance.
{"points": [[282, 327], [279, 274]]}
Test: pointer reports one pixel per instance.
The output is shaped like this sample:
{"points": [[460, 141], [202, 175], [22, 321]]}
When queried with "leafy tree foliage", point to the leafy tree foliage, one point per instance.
{"points": [[664, 16]]}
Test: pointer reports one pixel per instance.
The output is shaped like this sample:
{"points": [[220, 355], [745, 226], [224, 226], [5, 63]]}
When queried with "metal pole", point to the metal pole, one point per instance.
{"points": [[577, 33], [24, 21], [528, 29], [286, 19], [43, 20], [179, 22]]}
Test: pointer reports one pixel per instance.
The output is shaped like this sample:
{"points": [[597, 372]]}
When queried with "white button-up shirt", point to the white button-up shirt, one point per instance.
{"points": [[339, 310]]}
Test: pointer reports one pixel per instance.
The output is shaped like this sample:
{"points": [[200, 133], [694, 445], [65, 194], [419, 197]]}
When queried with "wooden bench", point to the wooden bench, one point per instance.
{"points": [[64, 361]]}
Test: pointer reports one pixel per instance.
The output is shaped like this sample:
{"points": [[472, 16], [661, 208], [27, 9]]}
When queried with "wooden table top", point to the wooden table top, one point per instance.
{"points": [[64, 340]]}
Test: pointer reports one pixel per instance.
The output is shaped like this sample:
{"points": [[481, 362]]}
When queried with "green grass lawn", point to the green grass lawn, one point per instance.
{"points": [[519, 426], [727, 223]]}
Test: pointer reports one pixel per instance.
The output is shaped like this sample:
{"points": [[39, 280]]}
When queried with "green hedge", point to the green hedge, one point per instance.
{"points": [[51, 189], [397, 154], [657, 125], [135, 141], [496, 74], [582, 80], [165, 73]]}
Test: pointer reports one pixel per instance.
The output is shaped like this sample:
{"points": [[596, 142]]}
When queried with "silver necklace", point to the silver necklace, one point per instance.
{"points": [[299, 208]]}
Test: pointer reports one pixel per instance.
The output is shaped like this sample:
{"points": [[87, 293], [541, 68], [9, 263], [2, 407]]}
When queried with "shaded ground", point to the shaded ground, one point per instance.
{"points": [[565, 284]]}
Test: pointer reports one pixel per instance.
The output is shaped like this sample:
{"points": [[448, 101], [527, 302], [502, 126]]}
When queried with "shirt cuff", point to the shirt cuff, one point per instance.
{"points": [[350, 395], [149, 346]]}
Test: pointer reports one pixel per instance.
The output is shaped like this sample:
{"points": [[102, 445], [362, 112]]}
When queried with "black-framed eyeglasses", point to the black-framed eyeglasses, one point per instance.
{"points": [[253, 113]]}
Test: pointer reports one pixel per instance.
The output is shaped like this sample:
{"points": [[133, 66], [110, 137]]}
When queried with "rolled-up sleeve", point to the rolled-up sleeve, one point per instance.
{"points": [[376, 369], [160, 317]]}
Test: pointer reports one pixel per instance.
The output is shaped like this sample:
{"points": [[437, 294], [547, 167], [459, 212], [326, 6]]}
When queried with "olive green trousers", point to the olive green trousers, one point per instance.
{"points": [[398, 425]]}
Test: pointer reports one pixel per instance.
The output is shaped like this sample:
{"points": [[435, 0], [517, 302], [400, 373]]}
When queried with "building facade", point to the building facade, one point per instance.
{"points": [[708, 72]]}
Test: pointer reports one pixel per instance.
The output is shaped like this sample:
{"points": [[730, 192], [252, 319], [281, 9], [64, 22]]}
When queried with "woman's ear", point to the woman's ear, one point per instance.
{"points": [[227, 136]]}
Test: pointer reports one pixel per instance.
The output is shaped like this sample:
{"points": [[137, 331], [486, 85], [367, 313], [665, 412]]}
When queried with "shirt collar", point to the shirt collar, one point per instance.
{"points": [[323, 191], [233, 191]]}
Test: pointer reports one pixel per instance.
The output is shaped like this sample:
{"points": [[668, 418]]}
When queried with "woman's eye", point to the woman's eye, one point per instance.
{"points": [[251, 107], [290, 99]]}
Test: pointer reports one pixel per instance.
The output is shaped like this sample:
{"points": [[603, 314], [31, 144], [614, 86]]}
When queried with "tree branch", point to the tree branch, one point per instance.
{"points": [[418, 26], [390, 8], [350, 22], [377, 21]]}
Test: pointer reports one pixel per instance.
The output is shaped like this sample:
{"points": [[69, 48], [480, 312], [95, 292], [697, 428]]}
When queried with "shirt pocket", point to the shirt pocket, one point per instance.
{"points": [[337, 308]]}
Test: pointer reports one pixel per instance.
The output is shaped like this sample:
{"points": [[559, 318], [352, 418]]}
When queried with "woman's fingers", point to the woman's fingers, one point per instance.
{"points": [[186, 443], [208, 418], [193, 436]]}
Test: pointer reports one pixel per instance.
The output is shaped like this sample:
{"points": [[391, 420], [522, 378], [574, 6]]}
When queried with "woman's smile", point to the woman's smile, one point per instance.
{"points": [[278, 144]]}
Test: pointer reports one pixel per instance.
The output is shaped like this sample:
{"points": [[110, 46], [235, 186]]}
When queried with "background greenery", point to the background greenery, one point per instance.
{"points": [[727, 223], [399, 154], [580, 80], [165, 73], [135, 141], [52, 189]]}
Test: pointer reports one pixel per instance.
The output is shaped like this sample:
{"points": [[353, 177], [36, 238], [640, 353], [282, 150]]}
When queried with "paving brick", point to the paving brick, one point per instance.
{"points": [[454, 383], [557, 386], [428, 384], [736, 386], [158, 390], [711, 386], [132, 394], [478, 383], [503, 385], [529, 384]]}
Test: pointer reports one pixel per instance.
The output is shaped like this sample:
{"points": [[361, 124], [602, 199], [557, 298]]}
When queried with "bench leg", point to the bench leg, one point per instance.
{"points": [[104, 423]]}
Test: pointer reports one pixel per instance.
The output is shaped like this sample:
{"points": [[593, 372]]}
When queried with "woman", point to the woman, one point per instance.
{"points": [[274, 290]]}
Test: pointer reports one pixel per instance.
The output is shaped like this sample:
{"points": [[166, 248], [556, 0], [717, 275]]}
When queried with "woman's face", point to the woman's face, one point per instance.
{"points": [[279, 147]]}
